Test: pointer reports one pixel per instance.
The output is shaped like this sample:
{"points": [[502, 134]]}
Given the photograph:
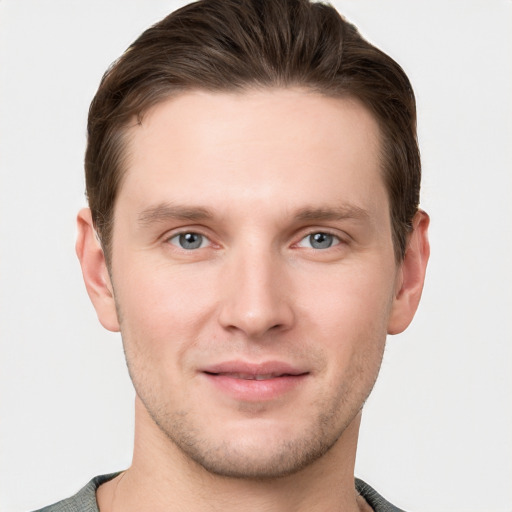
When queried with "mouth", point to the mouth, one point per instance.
{"points": [[258, 376], [255, 382]]}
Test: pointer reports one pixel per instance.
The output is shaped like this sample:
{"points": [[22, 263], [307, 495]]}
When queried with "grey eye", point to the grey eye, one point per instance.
{"points": [[189, 241], [319, 241]]}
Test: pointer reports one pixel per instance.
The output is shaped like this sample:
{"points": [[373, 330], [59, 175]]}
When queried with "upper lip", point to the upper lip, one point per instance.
{"points": [[244, 369]]}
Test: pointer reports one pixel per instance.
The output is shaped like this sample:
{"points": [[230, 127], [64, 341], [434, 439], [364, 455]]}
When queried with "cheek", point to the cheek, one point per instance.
{"points": [[349, 312], [350, 299], [162, 310]]}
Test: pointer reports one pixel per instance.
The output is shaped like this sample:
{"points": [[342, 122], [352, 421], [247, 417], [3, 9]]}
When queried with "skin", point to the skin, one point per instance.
{"points": [[254, 175]]}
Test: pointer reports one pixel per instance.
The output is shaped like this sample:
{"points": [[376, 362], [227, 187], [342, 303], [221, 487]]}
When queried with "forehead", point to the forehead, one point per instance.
{"points": [[256, 147]]}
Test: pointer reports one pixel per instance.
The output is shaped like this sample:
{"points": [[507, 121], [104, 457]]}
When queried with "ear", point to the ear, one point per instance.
{"points": [[411, 275], [95, 272]]}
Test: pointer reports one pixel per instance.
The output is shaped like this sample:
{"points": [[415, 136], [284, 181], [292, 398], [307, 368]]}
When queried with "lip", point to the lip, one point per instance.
{"points": [[254, 382]]}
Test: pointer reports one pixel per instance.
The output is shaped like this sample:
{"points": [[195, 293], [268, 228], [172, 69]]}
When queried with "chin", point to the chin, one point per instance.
{"points": [[257, 450], [246, 461]]}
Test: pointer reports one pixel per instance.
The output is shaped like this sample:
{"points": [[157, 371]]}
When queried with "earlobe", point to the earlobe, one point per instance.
{"points": [[95, 272], [411, 275]]}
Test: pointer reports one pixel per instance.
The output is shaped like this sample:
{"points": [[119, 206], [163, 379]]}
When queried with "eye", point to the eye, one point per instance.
{"points": [[189, 241], [319, 240]]}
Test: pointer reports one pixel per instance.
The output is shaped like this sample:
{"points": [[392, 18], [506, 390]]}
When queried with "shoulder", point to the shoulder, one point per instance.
{"points": [[84, 500], [374, 499]]}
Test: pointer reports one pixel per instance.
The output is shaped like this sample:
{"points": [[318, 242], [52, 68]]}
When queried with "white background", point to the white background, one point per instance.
{"points": [[437, 432]]}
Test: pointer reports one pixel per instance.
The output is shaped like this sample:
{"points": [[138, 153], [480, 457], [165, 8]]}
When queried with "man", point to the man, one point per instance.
{"points": [[254, 234]]}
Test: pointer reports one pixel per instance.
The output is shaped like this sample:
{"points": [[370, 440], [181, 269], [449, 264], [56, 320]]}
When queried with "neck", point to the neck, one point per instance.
{"points": [[162, 478]]}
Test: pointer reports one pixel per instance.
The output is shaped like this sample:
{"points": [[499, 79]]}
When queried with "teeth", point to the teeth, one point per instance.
{"points": [[264, 377], [246, 376]]}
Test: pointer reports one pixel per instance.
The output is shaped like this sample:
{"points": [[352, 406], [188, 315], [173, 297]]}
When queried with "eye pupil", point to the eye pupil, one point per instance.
{"points": [[190, 240], [321, 240]]}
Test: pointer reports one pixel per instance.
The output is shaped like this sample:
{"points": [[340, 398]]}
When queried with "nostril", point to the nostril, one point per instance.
{"points": [[255, 309]]}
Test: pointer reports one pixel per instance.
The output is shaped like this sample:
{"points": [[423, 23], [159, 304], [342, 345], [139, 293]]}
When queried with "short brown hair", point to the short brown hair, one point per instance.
{"points": [[229, 45]]}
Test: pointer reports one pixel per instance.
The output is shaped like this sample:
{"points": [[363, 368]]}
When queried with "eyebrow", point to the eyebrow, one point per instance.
{"points": [[334, 213], [165, 211]]}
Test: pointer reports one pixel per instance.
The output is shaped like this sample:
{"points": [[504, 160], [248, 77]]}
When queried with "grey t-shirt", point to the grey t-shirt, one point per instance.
{"points": [[85, 499]]}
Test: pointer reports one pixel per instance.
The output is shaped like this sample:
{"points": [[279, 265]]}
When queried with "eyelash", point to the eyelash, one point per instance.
{"points": [[186, 233], [335, 240]]}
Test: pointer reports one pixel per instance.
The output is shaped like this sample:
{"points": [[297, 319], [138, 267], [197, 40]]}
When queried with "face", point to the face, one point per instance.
{"points": [[253, 273]]}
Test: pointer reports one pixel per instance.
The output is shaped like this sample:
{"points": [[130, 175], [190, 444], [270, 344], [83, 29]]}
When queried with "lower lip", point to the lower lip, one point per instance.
{"points": [[255, 390]]}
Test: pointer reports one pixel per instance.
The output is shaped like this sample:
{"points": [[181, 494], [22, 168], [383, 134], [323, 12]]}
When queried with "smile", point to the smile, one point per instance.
{"points": [[246, 376], [248, 382]]}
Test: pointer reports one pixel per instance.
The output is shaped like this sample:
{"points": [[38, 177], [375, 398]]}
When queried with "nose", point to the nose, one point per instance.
{"points": [[257, 295]]}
